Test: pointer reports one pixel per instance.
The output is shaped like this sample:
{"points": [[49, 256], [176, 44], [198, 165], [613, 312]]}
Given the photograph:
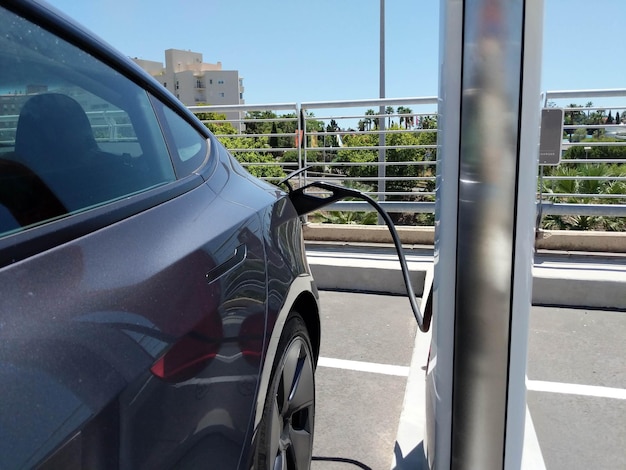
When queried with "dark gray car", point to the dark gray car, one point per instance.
{"points": [[156, 306]]}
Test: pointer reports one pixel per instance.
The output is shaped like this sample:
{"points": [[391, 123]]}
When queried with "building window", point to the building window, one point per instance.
{"points": [[177, 84], [210, 81], [165, 84], [220, 82], [222, 95], [240, 96], [199, 84]]}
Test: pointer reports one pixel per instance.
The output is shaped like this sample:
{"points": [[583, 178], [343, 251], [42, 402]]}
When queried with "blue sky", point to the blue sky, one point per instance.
{"points": [[296, 51]]}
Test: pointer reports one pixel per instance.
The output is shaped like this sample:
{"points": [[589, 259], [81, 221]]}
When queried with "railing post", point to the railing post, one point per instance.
{"points": [[381, 120]]}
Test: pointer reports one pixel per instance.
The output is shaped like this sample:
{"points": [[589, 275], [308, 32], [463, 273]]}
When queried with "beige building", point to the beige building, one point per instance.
{"points": [[196, 82]]}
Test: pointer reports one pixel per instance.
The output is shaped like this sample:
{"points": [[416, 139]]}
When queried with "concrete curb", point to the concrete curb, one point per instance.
{"points": [[409, 452], [567, 282], [368, 234], [599, 242]]}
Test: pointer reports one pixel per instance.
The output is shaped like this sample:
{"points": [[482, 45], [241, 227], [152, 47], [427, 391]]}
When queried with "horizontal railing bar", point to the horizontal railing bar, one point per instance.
{"points": [[264, 164], [593, 144], [590, 210], [591, 108], [374, 132], [278, 134], [372, 147], [246, 120], [592, 161], [262, 150], [366, 103], [242, 107], [403, 194], [389, 206], [372, 117], [584, 196], [597, 210], [593, 93], [374, 163], [378, 178], [585, 178], [594, 126]]}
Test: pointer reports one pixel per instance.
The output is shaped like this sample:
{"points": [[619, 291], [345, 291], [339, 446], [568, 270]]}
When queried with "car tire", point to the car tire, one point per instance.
{"points": [[286, 429]]}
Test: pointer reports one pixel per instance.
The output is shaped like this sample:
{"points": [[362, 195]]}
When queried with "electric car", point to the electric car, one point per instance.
{"points": [[156, 306]]}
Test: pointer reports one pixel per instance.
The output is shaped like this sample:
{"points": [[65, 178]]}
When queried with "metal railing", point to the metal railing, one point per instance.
{"points": [[338, 141]]}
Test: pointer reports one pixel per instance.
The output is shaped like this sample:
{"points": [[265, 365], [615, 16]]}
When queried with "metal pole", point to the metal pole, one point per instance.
{"points": [[381, 119]]}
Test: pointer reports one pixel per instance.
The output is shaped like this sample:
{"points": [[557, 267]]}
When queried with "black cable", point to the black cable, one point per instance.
{"points": [[305, 203]]}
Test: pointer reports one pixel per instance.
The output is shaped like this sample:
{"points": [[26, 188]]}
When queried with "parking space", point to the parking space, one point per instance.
{"points": [[576, 397], [365, 356], [577, 387]]}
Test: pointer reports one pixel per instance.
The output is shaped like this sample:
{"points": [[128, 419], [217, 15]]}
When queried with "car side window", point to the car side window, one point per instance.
{"points": [[189, 148], [74, 133]]}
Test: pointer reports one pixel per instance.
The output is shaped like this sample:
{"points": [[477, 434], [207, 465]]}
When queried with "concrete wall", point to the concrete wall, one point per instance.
{"points": [[603, 242]]}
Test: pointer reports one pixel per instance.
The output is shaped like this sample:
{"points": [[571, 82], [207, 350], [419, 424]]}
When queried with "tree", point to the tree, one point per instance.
{"points": [[368, 121], [428, 122], [410, 155], [617, 118], [259, 122], [273, 141], [348, 217], [366, 157], [591, 187], [595, 119], [331, 140], [573, 118], [406, 116], [267, 168], [218, 128], [389, 110]]}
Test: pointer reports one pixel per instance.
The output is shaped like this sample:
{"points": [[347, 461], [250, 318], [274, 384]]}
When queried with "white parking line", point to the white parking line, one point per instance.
{"points": [[386, 369], [576, 389], [532, 458], [532, 385]]}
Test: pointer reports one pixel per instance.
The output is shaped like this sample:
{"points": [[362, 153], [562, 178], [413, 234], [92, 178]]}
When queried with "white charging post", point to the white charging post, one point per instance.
{"points": [[489, 118]]}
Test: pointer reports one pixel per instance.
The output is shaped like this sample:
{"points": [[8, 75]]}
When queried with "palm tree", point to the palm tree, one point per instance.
{"points": [[389, 110], [406, 116], [588, 187], [368, 121]]}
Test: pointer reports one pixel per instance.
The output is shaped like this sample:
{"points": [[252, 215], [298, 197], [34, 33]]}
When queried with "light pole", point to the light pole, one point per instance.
{"points": [[381, 119]]}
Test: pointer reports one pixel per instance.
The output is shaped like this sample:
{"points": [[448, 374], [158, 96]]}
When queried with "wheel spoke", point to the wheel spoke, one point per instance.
{"points": [[288, 442], [280, 462], [276, 430], [289, 374], [301, 448], [302, 393]]}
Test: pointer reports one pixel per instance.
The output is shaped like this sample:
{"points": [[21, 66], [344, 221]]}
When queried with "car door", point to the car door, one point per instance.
{"points": [[132, 288]]}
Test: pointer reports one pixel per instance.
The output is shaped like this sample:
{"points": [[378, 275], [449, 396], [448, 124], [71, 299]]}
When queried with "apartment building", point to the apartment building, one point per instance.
{"points": [[195, 82]]}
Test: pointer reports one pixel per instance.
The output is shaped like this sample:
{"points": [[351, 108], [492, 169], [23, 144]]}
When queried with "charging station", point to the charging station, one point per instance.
{"points": [[489, 119]]}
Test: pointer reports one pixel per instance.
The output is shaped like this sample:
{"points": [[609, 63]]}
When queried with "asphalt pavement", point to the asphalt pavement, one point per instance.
{"points": [[576, 383], [367, 343]]}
